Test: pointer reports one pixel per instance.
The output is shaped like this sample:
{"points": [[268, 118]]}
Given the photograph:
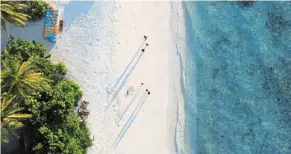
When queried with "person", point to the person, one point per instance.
{"points": [[145, 37], [147, 90], [142, 50], [33, 41], [149, 93], [147, 44], [141, 83]]}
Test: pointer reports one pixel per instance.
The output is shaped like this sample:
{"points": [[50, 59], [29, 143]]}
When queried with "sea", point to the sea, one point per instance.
{"points": [[238, 77]]}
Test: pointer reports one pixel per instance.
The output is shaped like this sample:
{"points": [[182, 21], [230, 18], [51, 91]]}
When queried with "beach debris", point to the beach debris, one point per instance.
{"points": [[130, 90], [61, 26], [84, 104], [83, 111], [130, 103]]}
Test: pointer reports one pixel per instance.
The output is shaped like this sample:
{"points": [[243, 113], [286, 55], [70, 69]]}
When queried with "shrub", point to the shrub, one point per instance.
{"points": [[55, 127], [18, 47], [36, 9], [22, 49], [56, 123]]}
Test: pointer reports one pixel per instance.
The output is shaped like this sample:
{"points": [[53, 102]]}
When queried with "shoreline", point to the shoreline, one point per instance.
{"points": [[179, 36], [96, 54]]}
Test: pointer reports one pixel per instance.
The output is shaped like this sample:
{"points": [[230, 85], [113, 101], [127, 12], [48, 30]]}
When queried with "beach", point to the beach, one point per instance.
{"points": [[98, 48], [157, 77]]}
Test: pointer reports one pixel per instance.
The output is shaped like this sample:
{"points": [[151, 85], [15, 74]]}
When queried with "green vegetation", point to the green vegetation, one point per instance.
{"points": [[11, 115], [55, 127], [11, 11], [17, 12], [21, 78], [36, 9]]}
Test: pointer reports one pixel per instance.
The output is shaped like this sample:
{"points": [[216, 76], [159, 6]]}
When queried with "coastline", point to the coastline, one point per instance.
{"points": [[179, 40], [97, 54]]}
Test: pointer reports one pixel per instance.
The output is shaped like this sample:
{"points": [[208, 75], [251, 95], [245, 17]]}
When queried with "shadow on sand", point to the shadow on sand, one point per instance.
{"points": [[124, 76], [130, 103], [130, 120]]}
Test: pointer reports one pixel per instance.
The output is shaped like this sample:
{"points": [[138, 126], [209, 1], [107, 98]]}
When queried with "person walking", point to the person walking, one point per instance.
{"points": [[145, 37]]}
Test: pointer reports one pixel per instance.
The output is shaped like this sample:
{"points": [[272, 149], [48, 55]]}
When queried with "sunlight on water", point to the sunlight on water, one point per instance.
{"points": [[243, 77]]}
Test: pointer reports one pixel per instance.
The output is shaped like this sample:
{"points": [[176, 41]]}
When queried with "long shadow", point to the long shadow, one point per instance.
{"points": [[130, 121], [124, 81], [130, 103], [127, 67]]}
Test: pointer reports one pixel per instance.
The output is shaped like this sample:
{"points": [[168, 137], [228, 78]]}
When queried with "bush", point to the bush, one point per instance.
{"points": [[56, 123], [22, 49], [61, 68], [55, 127], [36, 9]]}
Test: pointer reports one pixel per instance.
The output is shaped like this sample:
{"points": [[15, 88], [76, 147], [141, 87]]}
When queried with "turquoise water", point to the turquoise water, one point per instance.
{"points": [[238, 96]]}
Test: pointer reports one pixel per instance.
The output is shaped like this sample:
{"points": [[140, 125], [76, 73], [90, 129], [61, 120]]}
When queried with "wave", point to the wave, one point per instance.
{"points": [[178, 30]]}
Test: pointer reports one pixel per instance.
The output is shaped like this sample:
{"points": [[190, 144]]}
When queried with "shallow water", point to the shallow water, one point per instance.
{"points": [[241, 81]]}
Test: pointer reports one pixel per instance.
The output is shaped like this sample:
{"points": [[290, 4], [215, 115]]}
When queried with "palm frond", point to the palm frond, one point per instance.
{"points": [[20, 116], [5, 102], [15, 125], [4, 135], [22, 78], [11, 12]]}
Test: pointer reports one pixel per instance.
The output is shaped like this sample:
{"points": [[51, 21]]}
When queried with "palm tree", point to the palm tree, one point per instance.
{"points": [[11, 12], [21, 78], [11, 115]]}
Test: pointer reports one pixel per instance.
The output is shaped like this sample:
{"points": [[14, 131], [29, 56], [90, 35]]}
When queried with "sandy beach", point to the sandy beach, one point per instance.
{"points": [[98, 48], [101, 47]]}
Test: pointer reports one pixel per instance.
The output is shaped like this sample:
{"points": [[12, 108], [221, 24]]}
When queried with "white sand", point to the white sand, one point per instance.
{"points": [[99, 45]]}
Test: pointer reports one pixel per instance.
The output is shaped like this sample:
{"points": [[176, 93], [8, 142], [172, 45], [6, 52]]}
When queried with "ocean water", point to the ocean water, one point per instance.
{"points": [[238, 77]]}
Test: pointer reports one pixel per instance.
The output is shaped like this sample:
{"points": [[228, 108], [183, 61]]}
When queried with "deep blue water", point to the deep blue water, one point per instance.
{"points": [[238, 78]]}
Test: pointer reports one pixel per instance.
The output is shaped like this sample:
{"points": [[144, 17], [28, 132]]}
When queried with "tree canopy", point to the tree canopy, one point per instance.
{"points": [[56, 128]]}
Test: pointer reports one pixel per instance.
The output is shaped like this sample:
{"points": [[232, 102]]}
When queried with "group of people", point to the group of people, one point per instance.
{"points": [[83, 111], [145, 38]]}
